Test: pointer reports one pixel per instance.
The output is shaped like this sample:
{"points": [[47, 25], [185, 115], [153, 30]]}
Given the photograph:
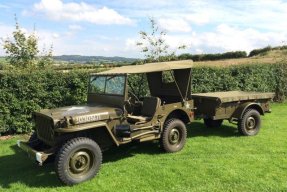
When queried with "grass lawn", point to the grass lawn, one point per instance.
{"points": [[212, 160]]}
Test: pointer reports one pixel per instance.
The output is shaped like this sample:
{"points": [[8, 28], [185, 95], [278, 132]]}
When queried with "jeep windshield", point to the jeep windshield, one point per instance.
{"points": [[109, 84]]}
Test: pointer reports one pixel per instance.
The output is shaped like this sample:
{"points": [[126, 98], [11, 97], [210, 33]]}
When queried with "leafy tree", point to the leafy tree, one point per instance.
{"points": [[23, 51], [153, 44]]}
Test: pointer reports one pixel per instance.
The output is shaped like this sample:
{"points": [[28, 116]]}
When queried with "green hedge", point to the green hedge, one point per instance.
{"points": [[213, 57], [24, 92], [265, 50]]}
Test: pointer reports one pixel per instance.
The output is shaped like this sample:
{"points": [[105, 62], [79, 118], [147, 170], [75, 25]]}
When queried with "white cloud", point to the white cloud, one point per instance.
{"points": [[131, 44], [5, 31], [58, 10], [174, 25], [227, 38], [55, 35], [198, 18], [75, 27]]}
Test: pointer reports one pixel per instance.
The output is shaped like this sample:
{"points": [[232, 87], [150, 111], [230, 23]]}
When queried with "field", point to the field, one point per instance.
{"points": [[212, 160], [270, 57]]}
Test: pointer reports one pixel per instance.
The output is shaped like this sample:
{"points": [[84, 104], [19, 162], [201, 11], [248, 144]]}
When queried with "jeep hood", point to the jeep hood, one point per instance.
{"points": [[82, 113]]}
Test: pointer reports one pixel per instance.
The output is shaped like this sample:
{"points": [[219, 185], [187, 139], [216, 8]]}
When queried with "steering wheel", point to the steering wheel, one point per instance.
{"points": [[130, 103], [132, 97]]}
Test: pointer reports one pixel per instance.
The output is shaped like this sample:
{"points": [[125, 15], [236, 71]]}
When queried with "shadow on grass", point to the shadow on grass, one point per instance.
{"points": [[195, 129], [18, 168], [198, 129]]}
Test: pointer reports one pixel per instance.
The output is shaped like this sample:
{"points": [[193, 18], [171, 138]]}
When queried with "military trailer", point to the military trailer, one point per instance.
{"points": [[114, 115]]}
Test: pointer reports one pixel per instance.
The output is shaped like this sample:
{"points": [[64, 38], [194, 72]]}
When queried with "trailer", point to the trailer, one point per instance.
{"points": [[243, 108]]}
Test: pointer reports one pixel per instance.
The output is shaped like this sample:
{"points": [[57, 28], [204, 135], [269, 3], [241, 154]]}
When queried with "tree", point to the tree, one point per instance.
{"points": [[154, 45], [23, 50]]}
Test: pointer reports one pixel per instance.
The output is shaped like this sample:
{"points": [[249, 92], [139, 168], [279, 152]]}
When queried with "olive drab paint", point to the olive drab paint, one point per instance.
{"points": [[113, 116]]}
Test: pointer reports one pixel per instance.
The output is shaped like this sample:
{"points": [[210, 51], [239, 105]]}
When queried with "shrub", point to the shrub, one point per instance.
{"points": [[22, 92], [213, 57], [260, 51], [261, 78]]}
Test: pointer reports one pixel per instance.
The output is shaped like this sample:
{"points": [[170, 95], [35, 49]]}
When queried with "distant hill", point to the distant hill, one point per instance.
{"points": [[93, 59]]}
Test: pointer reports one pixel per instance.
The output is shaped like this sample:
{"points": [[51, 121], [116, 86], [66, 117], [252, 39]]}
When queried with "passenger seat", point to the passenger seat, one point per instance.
{"points": [[150, 105]]}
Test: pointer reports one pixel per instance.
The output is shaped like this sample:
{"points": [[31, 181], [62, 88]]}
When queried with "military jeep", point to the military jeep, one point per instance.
{"points": [[114, 115]]}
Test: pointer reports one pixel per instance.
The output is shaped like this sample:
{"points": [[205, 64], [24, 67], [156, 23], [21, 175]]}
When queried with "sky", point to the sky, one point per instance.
{"points": [[111, 28]]}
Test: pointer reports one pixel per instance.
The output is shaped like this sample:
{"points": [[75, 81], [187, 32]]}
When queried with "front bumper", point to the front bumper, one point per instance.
{"points": [[40, 157]]}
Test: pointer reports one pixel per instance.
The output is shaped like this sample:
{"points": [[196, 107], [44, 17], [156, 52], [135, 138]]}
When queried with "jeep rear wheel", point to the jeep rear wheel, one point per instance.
{"points": [[174, 135], [250, 123], [78, 160]]}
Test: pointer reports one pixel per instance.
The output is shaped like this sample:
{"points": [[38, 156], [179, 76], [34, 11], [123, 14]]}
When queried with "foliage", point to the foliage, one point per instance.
{"points": [[138, 85], [153, 44], [213, 57], [23, 50], [260, 51], [264, 50], [22, 92]]}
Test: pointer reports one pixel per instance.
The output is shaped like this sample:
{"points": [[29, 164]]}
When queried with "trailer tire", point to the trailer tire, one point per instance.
{"points": [[78, 160], [250, 123], [173, 136], [210, 123]]}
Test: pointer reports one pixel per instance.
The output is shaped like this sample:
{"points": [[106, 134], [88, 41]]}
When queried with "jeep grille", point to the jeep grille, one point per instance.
{"points": [[44, 127]]}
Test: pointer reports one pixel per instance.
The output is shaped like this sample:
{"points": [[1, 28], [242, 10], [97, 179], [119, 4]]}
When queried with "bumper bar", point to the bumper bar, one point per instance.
{"points": [[40, 157]]}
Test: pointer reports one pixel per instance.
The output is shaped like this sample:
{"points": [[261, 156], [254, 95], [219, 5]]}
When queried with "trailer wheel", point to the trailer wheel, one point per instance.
{"points": [[174, 136], [250, 123], [210, 123], [78, 160]]}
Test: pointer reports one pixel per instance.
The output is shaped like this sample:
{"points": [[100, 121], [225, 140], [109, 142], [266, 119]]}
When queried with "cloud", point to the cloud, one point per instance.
{"points": [[75, 27], [58, 10], [174, 25], [226, 38], [229, 38], [198, 18]]}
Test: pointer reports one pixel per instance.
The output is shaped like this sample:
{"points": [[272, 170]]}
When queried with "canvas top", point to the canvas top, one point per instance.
{"points": [[150, 67], [230, 96]]}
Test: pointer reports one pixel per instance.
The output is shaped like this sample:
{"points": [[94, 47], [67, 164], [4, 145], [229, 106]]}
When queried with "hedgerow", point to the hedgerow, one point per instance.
{"points": [[213, 57], [22, 92]]}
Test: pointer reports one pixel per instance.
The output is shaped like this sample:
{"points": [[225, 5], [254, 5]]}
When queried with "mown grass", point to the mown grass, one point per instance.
{"points": [[212, 160]]}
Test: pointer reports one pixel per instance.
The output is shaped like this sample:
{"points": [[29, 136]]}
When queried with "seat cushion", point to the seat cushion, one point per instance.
{"points": [[135, 119]]}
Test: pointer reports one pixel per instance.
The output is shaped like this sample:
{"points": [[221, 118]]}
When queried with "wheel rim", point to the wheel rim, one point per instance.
{"points": [[251, 123], [81, 162], [174, 136]]}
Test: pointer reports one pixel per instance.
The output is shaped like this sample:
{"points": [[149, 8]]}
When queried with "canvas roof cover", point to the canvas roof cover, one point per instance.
{"points": [[230, 96], [150, 67]]}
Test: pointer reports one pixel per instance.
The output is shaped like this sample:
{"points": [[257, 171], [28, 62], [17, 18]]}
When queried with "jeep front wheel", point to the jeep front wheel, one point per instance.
{"points": [[174, 135], [78, 160]]}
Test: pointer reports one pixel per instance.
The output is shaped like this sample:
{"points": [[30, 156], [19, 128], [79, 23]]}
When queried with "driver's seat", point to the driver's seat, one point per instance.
{"points": [[150, 105]]}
